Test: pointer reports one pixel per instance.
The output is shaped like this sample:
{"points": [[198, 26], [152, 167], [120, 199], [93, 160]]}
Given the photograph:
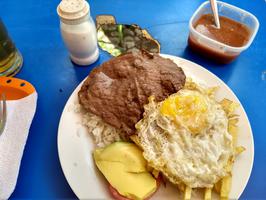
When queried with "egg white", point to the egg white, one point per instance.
{"points": [[196, 160]]}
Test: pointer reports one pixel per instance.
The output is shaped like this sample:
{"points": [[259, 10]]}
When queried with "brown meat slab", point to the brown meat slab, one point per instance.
{"points": [[117, 90]]}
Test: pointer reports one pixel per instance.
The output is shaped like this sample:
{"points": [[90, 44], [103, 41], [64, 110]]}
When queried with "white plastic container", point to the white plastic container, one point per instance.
{"points": [[217, 50], [78, 31]]}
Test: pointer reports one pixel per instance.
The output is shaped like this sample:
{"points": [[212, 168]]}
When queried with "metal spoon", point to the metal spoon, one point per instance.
{"points": [[215, 13]]}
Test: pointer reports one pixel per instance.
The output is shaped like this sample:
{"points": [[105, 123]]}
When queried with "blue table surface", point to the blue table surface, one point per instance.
{"points": [[34, 26]]}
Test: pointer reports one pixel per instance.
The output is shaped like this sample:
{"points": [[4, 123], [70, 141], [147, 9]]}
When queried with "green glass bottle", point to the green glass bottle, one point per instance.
{"points": [[10, 58]]}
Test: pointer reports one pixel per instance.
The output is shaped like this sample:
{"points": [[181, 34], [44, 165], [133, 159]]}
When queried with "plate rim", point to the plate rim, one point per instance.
{"points": [[172, 57]]}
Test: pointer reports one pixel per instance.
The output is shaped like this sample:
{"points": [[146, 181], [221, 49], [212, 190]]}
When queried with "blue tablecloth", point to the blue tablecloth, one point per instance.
{"points": [[34, 26]]}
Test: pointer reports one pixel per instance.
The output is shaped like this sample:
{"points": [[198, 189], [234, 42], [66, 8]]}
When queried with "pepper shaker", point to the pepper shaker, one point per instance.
{"points": [[78, 31]]}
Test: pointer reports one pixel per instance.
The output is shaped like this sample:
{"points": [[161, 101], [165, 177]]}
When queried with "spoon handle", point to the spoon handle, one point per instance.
{"points": [[215, 13]]}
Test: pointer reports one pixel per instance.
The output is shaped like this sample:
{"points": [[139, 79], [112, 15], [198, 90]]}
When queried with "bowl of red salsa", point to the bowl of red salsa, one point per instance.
{"points": [[237, 30]]}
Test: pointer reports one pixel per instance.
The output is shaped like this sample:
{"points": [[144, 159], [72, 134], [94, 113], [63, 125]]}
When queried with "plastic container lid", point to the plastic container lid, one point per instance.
{"points": [[73, 9]]}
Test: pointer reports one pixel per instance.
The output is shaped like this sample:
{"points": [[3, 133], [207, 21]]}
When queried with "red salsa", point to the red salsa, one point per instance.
{"points": [[231, 33]]}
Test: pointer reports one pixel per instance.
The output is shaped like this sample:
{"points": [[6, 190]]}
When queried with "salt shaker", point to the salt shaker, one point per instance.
{"points": [[78, 31]]}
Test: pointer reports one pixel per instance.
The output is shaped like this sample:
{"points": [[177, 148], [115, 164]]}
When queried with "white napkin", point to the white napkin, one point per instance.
{"points": [[12, 141]]}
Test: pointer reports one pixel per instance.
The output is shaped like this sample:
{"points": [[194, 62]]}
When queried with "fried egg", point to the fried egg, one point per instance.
{"points": [[186, 138]]}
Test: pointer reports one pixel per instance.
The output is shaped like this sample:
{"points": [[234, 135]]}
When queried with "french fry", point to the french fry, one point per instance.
{"points": [[239, 150], [233, 121], [233, 115], [190, 84], [228, 106], [226, 183], [217, 186], [208, 194], [226, 187], [232, 129], [229, 165], [212, 90], [187, 194]]}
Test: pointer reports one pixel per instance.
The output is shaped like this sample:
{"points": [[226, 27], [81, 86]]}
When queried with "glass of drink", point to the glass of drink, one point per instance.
{"points": [[10, 58]]}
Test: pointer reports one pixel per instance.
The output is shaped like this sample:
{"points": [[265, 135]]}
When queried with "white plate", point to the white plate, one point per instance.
{"points": [[75, 145]]}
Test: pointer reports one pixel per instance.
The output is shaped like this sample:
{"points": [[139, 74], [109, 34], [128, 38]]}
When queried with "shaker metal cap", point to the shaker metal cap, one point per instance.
{"points": [[73, 9]]}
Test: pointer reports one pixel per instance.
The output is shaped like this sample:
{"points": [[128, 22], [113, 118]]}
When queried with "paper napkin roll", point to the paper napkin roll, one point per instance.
{"points": [[12, 141]]}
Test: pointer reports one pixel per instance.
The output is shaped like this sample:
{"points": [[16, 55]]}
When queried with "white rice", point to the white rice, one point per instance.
{"points": [[103, 133]]}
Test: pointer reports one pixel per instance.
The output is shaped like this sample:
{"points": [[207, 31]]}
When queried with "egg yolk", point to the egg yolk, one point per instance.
{"points": [[188, 110]]}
